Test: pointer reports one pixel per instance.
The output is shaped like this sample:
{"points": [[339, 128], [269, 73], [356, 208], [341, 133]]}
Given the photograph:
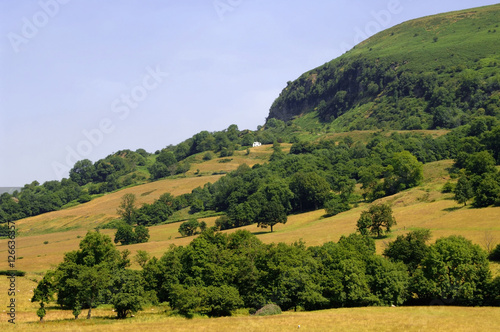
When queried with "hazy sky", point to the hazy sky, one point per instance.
{"points": [[85, 78]]}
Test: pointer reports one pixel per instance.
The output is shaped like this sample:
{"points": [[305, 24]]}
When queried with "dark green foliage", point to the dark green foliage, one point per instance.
{"points": [[157, 212], [488, 190], [463, 190], [92, 275], [310, 191], [220, 301], [377, 217], [17, 273], [336, 205], [271, 214], [404, 171], [454, 269], [495, 254], [41, 312], [448, 187], [128, 293], [388, 281], [208, 156], [410, 249], [189, 227], [127, 234], [141, 234]]}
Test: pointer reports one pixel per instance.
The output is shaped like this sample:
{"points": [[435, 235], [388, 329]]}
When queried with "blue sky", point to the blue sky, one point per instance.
{"points": [[83, 79]]}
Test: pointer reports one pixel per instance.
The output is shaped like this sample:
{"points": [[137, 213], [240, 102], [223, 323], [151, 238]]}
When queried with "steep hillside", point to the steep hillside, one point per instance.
{"points": [[437, 71]]}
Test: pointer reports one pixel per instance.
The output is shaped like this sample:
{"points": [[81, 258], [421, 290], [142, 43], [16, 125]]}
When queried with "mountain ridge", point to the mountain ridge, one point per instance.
{"points": [[406, 64]]}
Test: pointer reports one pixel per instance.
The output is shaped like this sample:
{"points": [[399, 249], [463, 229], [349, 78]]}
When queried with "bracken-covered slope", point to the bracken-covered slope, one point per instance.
{"points": [[434, 72]]}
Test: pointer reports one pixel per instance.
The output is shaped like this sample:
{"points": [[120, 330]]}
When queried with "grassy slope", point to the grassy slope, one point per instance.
{"points": [[424, 206], [466, 38], [433, 318]]}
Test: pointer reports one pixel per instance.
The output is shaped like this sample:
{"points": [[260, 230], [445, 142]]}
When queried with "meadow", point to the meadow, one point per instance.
{"points": [[432, 318], [44, 239]]}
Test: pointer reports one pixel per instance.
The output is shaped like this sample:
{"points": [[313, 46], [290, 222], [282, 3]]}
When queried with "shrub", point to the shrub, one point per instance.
{"points": [[448, 187], [268, 309], [208, 156], [84, 198]]}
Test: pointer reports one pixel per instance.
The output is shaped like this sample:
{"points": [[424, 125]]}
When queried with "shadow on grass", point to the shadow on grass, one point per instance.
{"points": [[454, 208], [261, 232]]}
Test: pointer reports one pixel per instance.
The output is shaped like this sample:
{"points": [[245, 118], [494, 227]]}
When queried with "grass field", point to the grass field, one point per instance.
{"points": [[432, 318], [44, 240]]}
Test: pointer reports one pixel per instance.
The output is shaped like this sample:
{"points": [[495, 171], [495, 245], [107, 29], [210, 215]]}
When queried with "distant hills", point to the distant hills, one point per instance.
{"points": [[434, 72], [9, 190]]}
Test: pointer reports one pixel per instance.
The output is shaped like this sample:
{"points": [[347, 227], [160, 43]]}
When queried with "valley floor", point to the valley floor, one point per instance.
{"points": [[430, 318]]}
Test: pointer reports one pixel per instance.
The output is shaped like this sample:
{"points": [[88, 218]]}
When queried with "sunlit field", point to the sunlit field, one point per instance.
{"points": [[46, 238], [431, 318]]}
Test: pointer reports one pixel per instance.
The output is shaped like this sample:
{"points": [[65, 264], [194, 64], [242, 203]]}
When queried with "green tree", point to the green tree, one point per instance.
{"points": [[84, 277], [457, 269], [159, 170], [410, 249], [167, 158], [480, 163], [189, 227], [83, 172], [405, 171], [310, 191], [128, 293], [336, 205], [125, 235], [220, 301], [377, 217], [463, 190], [271, 213], [127, 209], [488, 191], [142, 257], [388, 280], [141, 234], [44, 292]]}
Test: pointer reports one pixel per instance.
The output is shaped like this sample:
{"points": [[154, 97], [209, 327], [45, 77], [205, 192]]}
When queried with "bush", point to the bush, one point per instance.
{"points": [[336, 206], [84, 198], [208, 156], [448, 187], [268, 309]]}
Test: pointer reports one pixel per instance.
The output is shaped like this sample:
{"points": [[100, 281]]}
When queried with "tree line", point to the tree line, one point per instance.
{"points": [[218, 273]]}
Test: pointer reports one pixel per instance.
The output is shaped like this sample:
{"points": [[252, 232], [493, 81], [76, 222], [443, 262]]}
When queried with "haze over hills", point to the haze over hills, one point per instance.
{"points": [[433, 72], [9, 190]]}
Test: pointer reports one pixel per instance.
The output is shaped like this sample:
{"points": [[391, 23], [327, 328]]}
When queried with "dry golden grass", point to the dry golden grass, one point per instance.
{"points": [[100, 210], [258, 155], [432, 318], [423, 207]]}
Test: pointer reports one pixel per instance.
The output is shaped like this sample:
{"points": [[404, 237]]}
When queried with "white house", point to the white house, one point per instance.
{"points": [[256, 144]]}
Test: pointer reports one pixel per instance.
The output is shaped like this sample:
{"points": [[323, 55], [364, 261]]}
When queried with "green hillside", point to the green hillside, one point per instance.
{"points": [[377, 183], [434, 72]]}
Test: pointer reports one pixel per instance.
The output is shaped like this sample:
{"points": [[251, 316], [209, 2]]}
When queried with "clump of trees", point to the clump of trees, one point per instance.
{"points": [[479, 179], [96, 273], [218, 273]]}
